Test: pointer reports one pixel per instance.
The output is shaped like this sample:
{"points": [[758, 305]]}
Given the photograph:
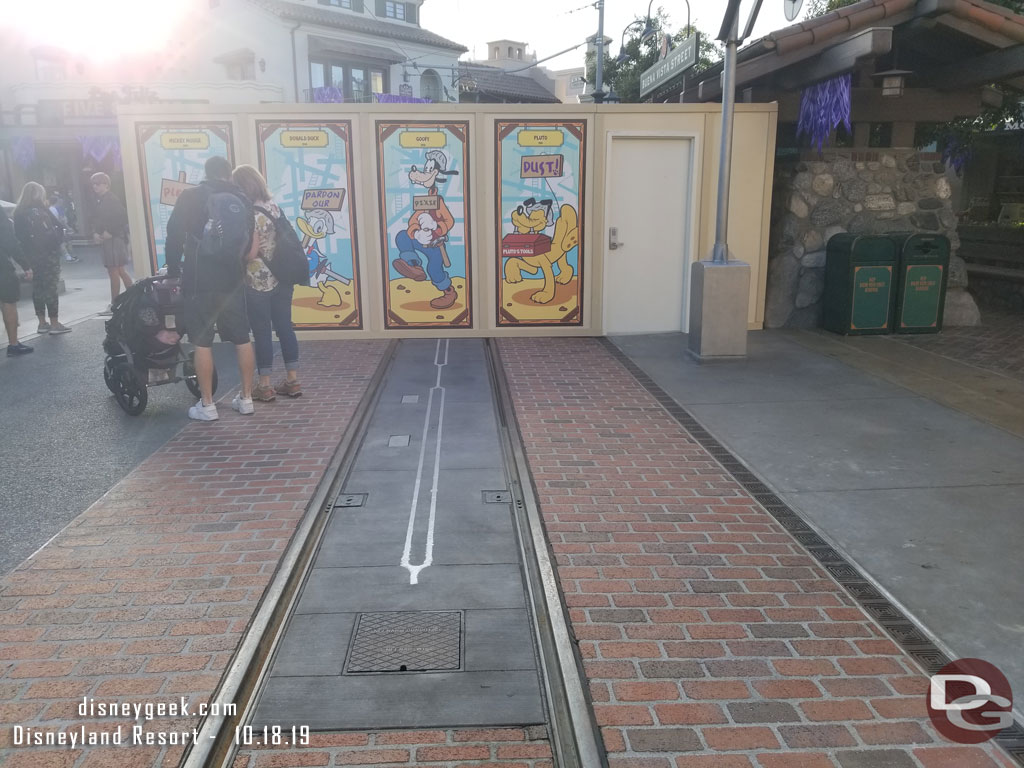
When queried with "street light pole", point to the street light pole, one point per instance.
{"points": [[720, 254], [599, 84], [719, 288]]}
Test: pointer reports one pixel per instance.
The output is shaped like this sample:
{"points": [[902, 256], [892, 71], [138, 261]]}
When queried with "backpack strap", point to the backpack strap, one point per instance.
{"points": [[265, 211]]}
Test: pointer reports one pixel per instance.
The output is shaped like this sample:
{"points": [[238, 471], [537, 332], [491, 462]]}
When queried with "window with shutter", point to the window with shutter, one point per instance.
{"points": [[410, 13], [381, 11]]}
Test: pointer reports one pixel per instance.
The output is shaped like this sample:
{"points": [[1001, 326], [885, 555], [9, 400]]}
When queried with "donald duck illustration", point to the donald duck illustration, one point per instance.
{"points": [[316, 226]]}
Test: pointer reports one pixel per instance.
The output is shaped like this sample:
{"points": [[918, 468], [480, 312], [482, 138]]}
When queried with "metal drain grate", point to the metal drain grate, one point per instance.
{"points": [[409, 641], [350, 500]]}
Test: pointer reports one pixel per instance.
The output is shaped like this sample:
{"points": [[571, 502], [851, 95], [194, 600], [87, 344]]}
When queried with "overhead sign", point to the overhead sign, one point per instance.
{"points": [[678, 61]]}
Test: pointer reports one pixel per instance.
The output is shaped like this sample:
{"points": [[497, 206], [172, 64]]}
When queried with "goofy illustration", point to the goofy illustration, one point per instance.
{"points": [[427, 233]]}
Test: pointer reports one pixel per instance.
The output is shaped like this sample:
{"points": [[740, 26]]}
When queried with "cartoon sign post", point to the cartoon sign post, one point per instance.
{"points": [[424, 223], [308, 167], [540, 172], [171, 159]]}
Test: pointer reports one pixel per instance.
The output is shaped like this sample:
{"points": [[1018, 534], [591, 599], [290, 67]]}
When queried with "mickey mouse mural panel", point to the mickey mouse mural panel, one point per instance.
{"points": [[309, 171], [424, 212], [540, 210]]}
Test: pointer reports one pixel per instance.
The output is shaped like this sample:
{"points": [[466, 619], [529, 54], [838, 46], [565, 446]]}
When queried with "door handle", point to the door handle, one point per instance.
{"points": [[613, 232]]}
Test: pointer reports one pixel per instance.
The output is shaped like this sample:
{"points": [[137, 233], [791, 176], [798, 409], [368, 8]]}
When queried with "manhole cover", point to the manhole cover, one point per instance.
{"points": [[409, 641]]}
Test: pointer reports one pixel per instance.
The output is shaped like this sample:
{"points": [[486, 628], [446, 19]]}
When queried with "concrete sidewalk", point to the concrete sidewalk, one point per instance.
{"points": [[924, 498], [710, 636]]}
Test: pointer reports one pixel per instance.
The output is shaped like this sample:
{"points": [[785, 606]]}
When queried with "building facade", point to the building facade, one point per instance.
{"points": [[516, 60], [58, 107]]}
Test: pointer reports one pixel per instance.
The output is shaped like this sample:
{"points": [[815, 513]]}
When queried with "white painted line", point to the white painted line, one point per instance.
{"points": [[428, 555], [408, 399]]}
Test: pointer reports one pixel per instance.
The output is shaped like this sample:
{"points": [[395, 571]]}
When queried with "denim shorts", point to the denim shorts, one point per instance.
{"points": [[225, 312]]}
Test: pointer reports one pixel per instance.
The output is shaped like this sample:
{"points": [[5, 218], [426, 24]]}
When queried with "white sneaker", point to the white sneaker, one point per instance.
{"points": [[243, 405], [201, 412], [107, 312]]}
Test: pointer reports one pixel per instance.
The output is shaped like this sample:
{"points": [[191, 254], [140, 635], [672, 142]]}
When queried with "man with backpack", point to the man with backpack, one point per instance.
{"points": [[211, 226]]}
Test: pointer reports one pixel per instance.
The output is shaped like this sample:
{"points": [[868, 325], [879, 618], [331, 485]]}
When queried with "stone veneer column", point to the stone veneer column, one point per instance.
{"points": [[863, 192]]}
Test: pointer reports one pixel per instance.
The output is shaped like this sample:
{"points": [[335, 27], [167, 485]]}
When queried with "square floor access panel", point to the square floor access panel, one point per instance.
{"points": [[406, 641]]}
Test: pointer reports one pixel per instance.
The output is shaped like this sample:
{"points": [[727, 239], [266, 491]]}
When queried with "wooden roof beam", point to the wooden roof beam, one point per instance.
{"points": [[867, 105], [832, 61], [841, 58], [922, 105], [994, 67], [985, 34]]}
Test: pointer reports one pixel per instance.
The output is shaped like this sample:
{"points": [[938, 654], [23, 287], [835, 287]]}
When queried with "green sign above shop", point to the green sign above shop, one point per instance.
{"points": [[679, 59]]}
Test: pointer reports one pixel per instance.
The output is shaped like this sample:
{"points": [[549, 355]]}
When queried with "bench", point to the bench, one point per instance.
{"points": [[993, 252]]}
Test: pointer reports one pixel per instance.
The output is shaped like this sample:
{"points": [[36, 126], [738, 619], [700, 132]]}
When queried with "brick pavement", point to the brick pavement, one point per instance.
{"points": [[711, 639], [144, 597], [995, 345], [452, 748]]}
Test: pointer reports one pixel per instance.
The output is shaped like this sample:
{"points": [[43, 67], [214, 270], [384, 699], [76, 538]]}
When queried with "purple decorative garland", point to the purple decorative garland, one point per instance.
{"points": [[823, 107], [390, 98], [328, 95], [96, 148], [23, 151]]}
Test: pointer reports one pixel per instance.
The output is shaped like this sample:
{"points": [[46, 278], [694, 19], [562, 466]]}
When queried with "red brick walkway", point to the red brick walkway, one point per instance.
{"points": [[710, 637], [144, 597]]}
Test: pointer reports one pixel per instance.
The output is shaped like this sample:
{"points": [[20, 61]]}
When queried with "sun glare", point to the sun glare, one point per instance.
{"points": [[100, 29]]}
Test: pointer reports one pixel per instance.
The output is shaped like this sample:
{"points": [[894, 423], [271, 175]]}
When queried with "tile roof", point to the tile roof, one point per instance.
{"points": [[494, 81], [873, 13], [353, 22]]}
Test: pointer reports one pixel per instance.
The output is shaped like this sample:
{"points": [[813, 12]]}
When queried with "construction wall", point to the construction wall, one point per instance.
{"points": [[454, 220]]}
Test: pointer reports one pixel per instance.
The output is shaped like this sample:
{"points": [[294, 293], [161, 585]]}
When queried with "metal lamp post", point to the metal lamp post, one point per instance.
{"points": [[720, 288], [599, 74]]}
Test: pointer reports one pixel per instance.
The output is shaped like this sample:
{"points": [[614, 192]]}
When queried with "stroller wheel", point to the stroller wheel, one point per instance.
{"points": [[188, 372], [130, 390], [108, 375]]}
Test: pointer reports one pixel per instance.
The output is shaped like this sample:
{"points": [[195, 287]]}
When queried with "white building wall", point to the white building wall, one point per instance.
{"points": [[188, 67]]}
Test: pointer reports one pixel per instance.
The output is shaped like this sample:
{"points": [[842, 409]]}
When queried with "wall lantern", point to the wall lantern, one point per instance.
{"points": [[893, 81]]}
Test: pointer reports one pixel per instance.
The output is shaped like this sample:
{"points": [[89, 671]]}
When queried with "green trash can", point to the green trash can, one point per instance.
{"points": [[859, 274], [921, 284]]}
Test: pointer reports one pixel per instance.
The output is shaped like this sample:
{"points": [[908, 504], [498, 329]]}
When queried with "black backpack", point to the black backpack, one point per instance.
{"points": [[226, 236], [289, 265], [46, 232]]}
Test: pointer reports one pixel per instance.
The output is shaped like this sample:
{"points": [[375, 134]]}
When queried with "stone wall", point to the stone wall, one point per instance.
{"points": [[862, 192]]}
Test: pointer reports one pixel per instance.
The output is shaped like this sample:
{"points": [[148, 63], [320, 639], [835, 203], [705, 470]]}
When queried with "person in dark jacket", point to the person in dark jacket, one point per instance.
{"points": [[10, 285], [110, 229], [41, 235], [212, 286]]}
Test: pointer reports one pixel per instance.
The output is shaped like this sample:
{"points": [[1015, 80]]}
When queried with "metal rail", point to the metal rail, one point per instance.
{"points": [[575, 739], [215, 744], [574, 735]]}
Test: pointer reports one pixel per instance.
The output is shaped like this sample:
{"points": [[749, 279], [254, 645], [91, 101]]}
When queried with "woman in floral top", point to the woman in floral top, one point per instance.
{"points": [[268, 301]]}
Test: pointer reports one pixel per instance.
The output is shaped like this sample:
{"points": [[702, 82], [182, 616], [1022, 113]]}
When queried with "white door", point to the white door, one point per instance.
{"points": [[648, 201]]}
